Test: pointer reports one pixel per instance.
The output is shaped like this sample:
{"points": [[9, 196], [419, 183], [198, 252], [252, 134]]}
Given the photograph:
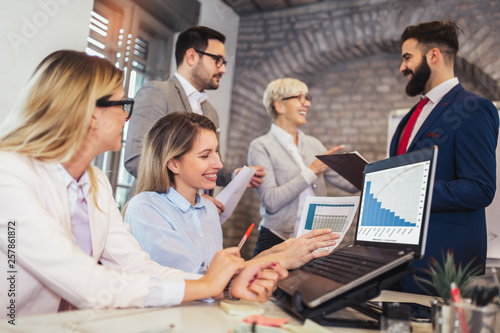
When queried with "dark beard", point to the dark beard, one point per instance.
{"points": [[420, 77], [201, 80]]}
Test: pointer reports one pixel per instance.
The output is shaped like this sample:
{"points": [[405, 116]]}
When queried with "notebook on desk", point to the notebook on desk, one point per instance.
{"points": [[391, 231]]}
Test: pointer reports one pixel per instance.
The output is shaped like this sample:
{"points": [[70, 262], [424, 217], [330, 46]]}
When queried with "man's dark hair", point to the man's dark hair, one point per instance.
{"points": [[440, 34], [196, 38]]}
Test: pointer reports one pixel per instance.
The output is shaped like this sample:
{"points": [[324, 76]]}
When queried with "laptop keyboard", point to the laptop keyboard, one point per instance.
{"points": [[343, 267]]}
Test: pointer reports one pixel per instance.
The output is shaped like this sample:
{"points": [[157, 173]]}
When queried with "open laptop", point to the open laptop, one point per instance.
{"points": [[391, 230]]}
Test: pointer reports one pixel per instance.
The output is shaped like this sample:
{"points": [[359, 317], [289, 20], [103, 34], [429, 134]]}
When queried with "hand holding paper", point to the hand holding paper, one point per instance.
{"points": [[231, 194], [336, 213], [257, 178]]}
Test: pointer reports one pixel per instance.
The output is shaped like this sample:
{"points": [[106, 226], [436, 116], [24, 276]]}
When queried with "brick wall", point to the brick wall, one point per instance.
{"points": [[349, 56]]}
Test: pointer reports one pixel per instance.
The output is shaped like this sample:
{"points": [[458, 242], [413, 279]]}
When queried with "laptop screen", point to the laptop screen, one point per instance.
{"points": [[395, 201]]}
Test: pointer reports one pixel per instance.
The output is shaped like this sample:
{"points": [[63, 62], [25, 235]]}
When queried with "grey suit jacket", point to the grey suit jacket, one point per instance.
{"points": [[154, 100]]}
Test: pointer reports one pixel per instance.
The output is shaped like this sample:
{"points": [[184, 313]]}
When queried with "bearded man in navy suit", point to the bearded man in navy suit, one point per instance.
{"points": [[465, 128]]}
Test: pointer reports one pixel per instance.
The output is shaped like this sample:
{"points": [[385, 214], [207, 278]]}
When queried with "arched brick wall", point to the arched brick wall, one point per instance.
{"points": [[349, 56]]}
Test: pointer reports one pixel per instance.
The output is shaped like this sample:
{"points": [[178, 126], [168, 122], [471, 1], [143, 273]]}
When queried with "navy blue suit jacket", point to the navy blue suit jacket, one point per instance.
{"points": [[465, 128]]}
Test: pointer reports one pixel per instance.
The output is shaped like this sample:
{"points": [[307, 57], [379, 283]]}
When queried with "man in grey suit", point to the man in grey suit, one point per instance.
{"points": [[200, 57]]}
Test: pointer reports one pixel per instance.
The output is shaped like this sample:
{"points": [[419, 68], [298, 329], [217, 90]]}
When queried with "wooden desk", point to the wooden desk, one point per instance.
{"points": [[194, 317]]}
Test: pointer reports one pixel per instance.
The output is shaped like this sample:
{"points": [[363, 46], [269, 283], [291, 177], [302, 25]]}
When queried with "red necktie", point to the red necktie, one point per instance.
{"points": [[409, 126]]}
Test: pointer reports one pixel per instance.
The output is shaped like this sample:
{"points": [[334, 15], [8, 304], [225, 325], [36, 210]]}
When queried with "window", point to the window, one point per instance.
{"points": [[138, 43]]}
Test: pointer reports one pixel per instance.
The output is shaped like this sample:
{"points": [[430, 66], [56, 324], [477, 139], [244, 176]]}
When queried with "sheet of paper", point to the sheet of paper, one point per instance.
{"points": [[231, 194], [241, 308], [336, 213]]}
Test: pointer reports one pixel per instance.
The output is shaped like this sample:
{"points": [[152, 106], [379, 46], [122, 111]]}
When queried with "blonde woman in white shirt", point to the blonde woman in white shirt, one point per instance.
{"points": [[72, 249], [289, 158]]}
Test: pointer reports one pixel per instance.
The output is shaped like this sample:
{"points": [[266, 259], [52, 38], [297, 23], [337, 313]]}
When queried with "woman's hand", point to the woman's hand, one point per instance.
{"points": [[224, 265], [276, 248], [300, 251], [253, 281], [318, 167], [232, 250], [258, 280]]}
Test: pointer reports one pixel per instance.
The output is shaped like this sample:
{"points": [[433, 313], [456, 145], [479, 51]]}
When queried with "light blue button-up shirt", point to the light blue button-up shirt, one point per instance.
{"points": [[174, 232]]}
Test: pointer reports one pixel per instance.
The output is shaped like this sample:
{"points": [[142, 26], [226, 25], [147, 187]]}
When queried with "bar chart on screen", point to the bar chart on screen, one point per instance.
{"points": [[393, 203]]}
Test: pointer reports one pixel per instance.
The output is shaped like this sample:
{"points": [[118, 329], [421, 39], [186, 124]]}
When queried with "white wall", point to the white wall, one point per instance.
{"points": [[492, 217], [32, 29], [217, 15]]}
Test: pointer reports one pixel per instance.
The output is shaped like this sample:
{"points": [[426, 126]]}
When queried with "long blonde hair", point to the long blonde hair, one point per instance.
{"points": [[170, 137], [53, 115]]}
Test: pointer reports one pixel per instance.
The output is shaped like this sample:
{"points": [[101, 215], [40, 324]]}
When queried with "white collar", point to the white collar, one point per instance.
{"points": [[441, 89], [284, 137], [83, 182], [189, 89]]}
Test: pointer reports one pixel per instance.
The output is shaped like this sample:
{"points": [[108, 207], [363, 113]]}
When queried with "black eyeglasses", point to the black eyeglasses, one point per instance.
{"points": [[302, 98], [219, 60], [127, 105]]}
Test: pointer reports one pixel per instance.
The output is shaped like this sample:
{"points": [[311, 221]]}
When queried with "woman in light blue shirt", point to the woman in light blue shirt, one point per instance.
{"points": [[171, 220]]}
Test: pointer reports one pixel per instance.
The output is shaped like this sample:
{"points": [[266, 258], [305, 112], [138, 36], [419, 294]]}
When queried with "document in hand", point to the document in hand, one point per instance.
{"points": [[336, 213], [232, 193], [349, 165]]}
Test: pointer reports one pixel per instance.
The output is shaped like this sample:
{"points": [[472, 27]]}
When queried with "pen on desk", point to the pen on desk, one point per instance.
{"points": [[457, 299], [243, 240]]}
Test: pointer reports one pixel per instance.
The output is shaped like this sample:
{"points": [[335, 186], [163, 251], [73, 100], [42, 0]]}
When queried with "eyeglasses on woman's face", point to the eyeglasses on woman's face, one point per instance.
{"points": [[301, 97], [126, 104]]}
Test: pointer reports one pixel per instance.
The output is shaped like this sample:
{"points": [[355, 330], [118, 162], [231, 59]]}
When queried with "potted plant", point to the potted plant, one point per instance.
{"points": [[442, 274]]}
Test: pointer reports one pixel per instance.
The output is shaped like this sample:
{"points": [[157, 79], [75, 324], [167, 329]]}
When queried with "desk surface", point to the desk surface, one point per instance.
{"points": [[191, 317]]}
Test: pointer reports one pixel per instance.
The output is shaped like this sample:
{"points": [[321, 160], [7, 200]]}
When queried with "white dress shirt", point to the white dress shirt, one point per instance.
{"points": [[434, 96], [194, 96]]}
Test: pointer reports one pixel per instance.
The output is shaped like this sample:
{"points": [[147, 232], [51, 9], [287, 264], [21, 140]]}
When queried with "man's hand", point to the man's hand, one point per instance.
{"points": [[217, 203], [257, 178]]}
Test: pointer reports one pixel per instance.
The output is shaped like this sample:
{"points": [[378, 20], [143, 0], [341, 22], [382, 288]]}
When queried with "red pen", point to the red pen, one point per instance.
{"points": [[457, 299], [243, 240]]}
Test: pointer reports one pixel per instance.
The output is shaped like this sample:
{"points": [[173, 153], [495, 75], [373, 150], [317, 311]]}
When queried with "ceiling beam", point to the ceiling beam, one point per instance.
{"points": [[258, 5]]}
